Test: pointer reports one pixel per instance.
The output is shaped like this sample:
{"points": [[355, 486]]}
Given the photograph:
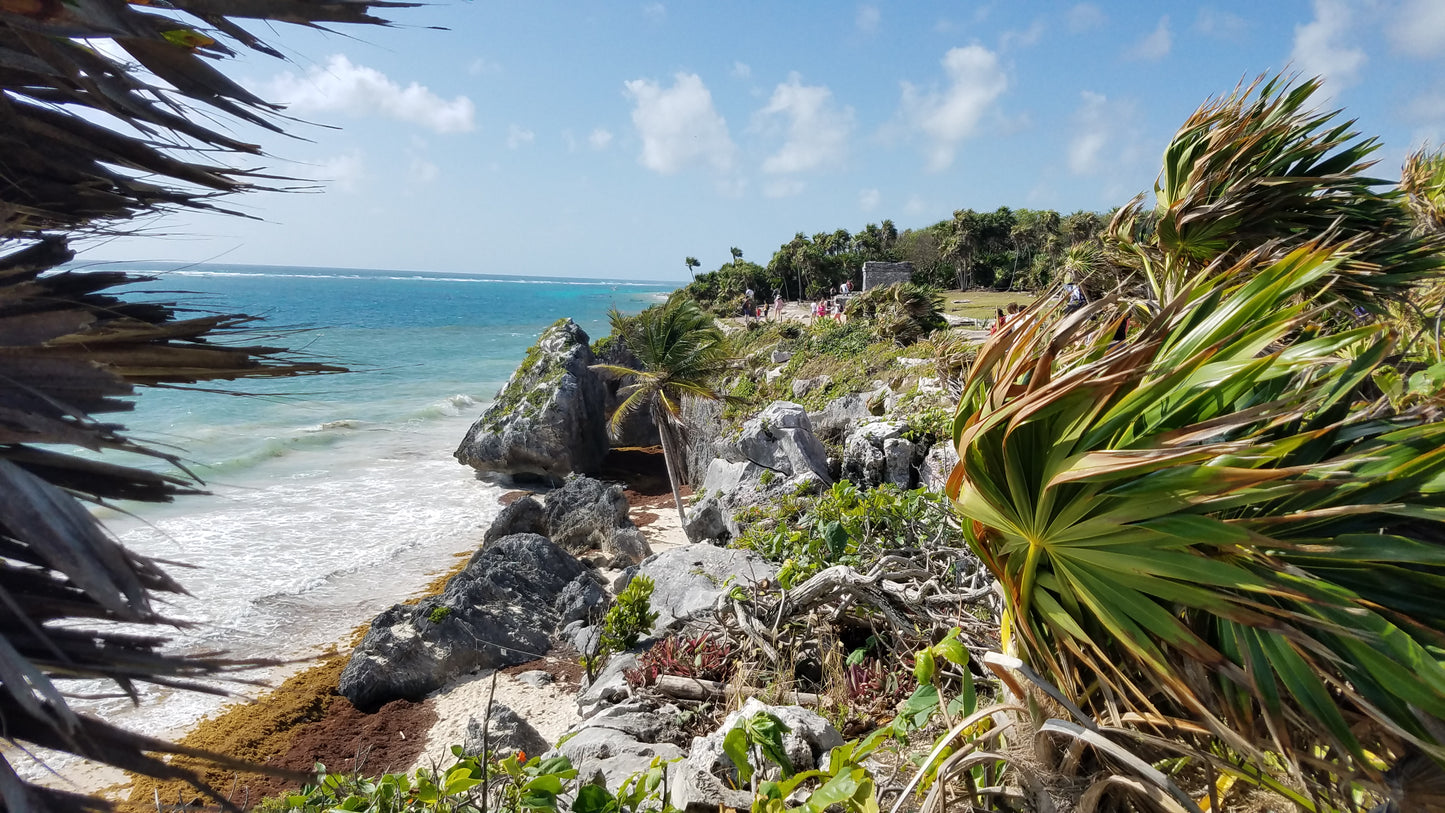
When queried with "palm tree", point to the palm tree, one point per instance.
{"points": [[1214, 523], [682, 353], [75, 350], [737, 254], [691, 263]]}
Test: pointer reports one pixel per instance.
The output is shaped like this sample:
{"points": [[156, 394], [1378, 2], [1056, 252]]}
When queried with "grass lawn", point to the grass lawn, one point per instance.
{"points": [[981, 304]]}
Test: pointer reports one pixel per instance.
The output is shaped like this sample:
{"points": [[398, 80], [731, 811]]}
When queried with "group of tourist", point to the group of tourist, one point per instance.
{"points": [[826, 308]]}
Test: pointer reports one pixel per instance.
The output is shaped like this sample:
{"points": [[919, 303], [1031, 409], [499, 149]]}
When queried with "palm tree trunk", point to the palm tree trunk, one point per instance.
{"points": [[669, 457]]}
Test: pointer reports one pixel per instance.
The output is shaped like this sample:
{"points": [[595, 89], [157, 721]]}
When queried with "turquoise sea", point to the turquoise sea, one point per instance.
{"points": [[333, 496]]}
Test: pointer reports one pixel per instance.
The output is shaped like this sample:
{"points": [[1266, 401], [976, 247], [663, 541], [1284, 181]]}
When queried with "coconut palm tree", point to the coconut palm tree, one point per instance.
{"points": [[682, 353], [692, 264], [74, 350]]}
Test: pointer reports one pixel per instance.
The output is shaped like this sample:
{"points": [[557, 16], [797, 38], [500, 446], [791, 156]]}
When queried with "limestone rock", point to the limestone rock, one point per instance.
{"points": [[583, 599], [506, 732], [782, 356], [609, 686], [705, 522], [705, 779], [524, 516], [834, 421], [898, 462], [803, 386], [781, 438], [865, 461], [586, 514], [621, 741], [689, 580], [497, 612], [550, 418]]}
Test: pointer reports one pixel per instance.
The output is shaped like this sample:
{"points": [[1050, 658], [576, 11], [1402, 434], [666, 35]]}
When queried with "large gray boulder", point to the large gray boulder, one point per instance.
{"points": [[637, 428], [781, 438], [550, 419], [705, 781], [688, 581], [497, 612], [586, 514]]}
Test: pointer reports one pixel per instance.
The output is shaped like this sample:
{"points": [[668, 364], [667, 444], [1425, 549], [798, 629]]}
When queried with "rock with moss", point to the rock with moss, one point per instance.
{"points": [[550, 420]]}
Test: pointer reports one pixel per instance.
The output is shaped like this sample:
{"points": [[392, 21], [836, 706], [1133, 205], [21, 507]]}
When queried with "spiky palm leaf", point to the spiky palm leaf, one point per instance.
{"points": [[69, 351], [1422, 179], [1262, 166], [89, 140], [1211, 518], [683, 353]]}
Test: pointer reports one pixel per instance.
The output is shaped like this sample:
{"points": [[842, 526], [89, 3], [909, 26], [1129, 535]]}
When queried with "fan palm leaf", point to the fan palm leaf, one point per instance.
{"points": [[1211, 518]]}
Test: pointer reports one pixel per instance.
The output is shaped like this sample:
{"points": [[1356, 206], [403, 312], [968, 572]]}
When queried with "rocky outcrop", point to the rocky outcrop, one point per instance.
{"points": [[550, 418], [705, 781], [775, 454], [876, 452], [700, 445], [586, 514], [835, 419], [688, 581], [497, 612]]}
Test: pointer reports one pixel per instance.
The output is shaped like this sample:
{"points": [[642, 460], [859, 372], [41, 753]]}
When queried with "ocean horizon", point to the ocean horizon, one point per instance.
{"points": [[334, 496]]}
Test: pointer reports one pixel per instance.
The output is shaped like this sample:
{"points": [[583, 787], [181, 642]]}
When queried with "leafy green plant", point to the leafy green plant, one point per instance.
{"points": [[439, 614], [627, 620], [846, 783], [646, 790]]}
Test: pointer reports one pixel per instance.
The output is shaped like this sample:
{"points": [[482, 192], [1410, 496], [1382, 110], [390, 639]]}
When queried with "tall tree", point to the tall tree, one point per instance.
{"points": [[737, 254], [691, 263], [683, 353]]}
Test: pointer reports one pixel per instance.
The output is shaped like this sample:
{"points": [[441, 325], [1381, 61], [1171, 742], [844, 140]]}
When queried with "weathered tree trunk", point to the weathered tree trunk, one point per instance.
{"points": [[669, 456]]}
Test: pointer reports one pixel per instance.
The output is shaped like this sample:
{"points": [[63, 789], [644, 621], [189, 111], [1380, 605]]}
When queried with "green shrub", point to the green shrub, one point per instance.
{"points": [[439, 614], [630, 617]]}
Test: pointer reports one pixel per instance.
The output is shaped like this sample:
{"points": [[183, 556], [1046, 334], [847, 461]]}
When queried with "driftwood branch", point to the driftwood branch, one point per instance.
{"points": [[686, 688]]}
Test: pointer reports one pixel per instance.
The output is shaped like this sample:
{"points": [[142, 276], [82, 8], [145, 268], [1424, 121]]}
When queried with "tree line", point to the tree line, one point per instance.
{"points": [[1006, 249]]}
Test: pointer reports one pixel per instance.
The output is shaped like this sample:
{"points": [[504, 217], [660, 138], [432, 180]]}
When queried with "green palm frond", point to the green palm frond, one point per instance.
{"points": [[1262, 166], [1212, 518]]}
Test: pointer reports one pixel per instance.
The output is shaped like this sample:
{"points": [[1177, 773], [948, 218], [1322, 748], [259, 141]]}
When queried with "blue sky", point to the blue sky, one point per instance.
{"points": [[611, 139]]}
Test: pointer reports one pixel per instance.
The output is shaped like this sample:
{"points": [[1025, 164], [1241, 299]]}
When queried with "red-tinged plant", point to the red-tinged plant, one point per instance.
{"points": [[702, 656]]}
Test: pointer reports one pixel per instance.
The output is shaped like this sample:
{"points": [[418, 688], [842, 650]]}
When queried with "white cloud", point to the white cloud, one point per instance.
{"points": [[975, 81], [600, 139], [867, 19], [481, 66], [1419, 30], [1106, 137], [1155, 45], [783, 188], [868, 199], [742, 70], [1022, 39], [424, 171], [343, 172], [654, 11], [357, 90], [679, 126], [914, 206], [518, 135], [1085, 17], [1211, 22], [817, 130], [1320, 47]]}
